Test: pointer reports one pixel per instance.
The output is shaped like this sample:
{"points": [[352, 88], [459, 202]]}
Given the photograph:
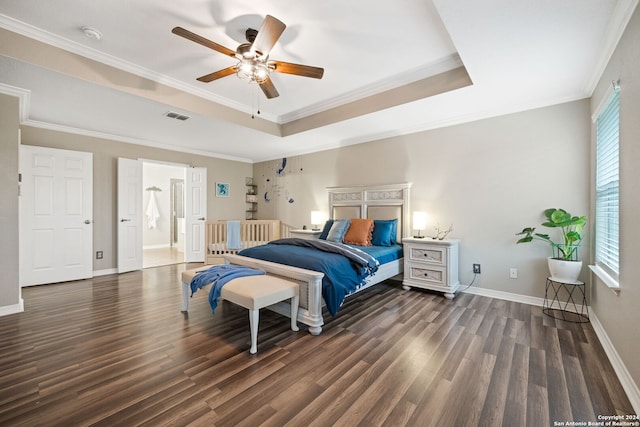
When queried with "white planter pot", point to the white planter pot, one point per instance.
{"points": [[564, 271]]}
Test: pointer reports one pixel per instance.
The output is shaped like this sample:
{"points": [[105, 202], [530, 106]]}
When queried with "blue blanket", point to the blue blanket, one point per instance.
{"points": [[218, 276], [344, 267]]}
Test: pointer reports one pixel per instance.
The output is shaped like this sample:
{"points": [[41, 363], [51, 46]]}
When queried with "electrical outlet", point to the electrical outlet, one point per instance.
{"points": [[99, 255], [476, 268], [513, 273]]}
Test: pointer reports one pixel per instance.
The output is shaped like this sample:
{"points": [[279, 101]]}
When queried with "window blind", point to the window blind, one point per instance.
{"points": [[607, 226]]}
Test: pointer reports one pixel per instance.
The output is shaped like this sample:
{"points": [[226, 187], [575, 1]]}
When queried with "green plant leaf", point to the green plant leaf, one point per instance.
{"points": [[570, 233], [549, 212], [527, 230], [560, 216], [573, 236]]}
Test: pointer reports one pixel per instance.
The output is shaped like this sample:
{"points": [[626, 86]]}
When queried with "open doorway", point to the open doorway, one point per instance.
{"points": [[163, 236]]}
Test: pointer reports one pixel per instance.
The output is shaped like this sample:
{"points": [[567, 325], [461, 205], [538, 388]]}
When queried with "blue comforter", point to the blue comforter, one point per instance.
{"points": [[344, 267]]}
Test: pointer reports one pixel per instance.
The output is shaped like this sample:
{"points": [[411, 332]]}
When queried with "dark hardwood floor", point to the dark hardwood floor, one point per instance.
{"points": [[115, 350]]}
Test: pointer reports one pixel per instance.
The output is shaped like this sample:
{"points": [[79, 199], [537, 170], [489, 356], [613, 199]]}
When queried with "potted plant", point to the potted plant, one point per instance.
{"points": [[564, 264]]}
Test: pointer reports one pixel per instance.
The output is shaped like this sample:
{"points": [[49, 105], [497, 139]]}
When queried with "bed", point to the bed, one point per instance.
{"points": [[380, 202]]}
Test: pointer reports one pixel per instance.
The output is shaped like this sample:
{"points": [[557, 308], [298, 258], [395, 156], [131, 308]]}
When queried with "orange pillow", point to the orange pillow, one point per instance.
{"points": [[359, 232]]}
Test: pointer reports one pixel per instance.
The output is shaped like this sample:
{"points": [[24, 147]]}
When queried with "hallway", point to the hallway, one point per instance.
{"points": [[161, 256]]}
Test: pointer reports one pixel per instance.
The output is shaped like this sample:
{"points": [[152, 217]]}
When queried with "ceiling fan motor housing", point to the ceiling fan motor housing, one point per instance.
{"points": [[250, 34], [244, 51]]}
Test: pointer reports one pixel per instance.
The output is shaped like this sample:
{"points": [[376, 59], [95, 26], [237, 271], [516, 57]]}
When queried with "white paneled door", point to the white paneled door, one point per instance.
{"points": [[129, 215], [195, 214], [56, 215]]}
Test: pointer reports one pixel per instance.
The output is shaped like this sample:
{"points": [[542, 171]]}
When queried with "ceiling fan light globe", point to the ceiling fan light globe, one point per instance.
{"points": [[252, 71], [245, 67], [243, 71], [261, 73]]}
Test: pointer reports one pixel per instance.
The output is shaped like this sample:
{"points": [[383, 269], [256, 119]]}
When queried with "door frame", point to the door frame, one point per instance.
{"points": [[189, 256]]}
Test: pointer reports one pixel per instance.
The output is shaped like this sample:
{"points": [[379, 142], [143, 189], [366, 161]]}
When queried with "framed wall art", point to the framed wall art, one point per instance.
{"points": [[222, 189]]}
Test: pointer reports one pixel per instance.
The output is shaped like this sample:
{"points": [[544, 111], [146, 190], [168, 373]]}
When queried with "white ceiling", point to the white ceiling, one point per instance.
{"points": [[519, 55]]}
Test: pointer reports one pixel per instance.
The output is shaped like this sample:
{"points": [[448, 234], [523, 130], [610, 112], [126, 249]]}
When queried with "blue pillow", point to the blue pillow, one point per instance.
{"points": [[338, 230], [384, 232], [325, 230]]}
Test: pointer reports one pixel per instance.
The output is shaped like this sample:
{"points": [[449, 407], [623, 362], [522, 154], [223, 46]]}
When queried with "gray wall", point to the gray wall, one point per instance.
{"points": [[9, 142], [105, 154], [489, 178], [619, 314]]}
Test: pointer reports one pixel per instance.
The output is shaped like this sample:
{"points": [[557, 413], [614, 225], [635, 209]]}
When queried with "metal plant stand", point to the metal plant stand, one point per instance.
{"points": [[572, 308]]}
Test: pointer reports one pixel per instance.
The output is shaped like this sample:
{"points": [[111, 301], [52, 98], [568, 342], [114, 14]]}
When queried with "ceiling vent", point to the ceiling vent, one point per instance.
{"points": [[177, 116]]}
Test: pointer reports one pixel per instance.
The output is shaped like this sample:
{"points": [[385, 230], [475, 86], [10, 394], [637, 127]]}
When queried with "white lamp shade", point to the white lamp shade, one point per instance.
{"points": [[317, 217], [419, 220]]}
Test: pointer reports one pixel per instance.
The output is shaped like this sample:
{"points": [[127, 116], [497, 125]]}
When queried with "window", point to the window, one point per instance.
{"points": [[607, 224]]}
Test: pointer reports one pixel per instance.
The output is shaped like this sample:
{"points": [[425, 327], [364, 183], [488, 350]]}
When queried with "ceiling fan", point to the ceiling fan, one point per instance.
{"points": [[253, 63]]}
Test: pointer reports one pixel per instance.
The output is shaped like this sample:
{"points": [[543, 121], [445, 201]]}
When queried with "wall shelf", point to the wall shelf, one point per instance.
{"points": [[251, 198]]}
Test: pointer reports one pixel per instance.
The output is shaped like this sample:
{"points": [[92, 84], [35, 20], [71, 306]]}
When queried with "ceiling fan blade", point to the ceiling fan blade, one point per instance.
{"points": [[269, 89], [297, 69], [268, 35], [204, 42], [217, 75]]}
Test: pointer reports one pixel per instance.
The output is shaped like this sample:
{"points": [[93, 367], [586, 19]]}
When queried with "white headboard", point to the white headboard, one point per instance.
{"points": [[376, 202]]}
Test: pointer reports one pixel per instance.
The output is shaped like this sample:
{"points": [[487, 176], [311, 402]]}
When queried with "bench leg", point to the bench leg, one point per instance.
{"points": [[254, 319], [295, 301], [185, 296]]}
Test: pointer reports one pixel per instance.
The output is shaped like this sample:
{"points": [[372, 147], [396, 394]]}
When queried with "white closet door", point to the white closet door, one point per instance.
{"points": [[195, 214], [129, 215], [56, 215]]}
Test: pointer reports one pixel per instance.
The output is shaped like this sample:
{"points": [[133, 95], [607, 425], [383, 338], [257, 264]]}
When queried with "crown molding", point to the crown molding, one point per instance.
{"points": [[24, 96], [426, 126], [43, 36], [127, 140], [446, 63], [620, 17]]}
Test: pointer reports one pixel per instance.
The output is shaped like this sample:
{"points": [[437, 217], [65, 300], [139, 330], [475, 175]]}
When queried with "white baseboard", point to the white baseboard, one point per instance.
{"points": [[12, 309], [505, 296], [629, 385], [105, 272]]}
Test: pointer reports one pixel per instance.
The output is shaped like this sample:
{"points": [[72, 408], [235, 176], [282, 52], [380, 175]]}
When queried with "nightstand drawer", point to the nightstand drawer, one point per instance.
{"points": [[428, 274], [431, 255]]}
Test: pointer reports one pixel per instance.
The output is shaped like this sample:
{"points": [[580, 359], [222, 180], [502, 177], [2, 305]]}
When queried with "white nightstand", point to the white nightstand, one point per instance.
{"points": [[431, 264], [306, 234]]}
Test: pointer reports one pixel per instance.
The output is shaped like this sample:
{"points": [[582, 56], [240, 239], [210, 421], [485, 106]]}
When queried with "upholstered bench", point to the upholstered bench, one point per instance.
{"points": [[187, 276], [253, 293]]}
